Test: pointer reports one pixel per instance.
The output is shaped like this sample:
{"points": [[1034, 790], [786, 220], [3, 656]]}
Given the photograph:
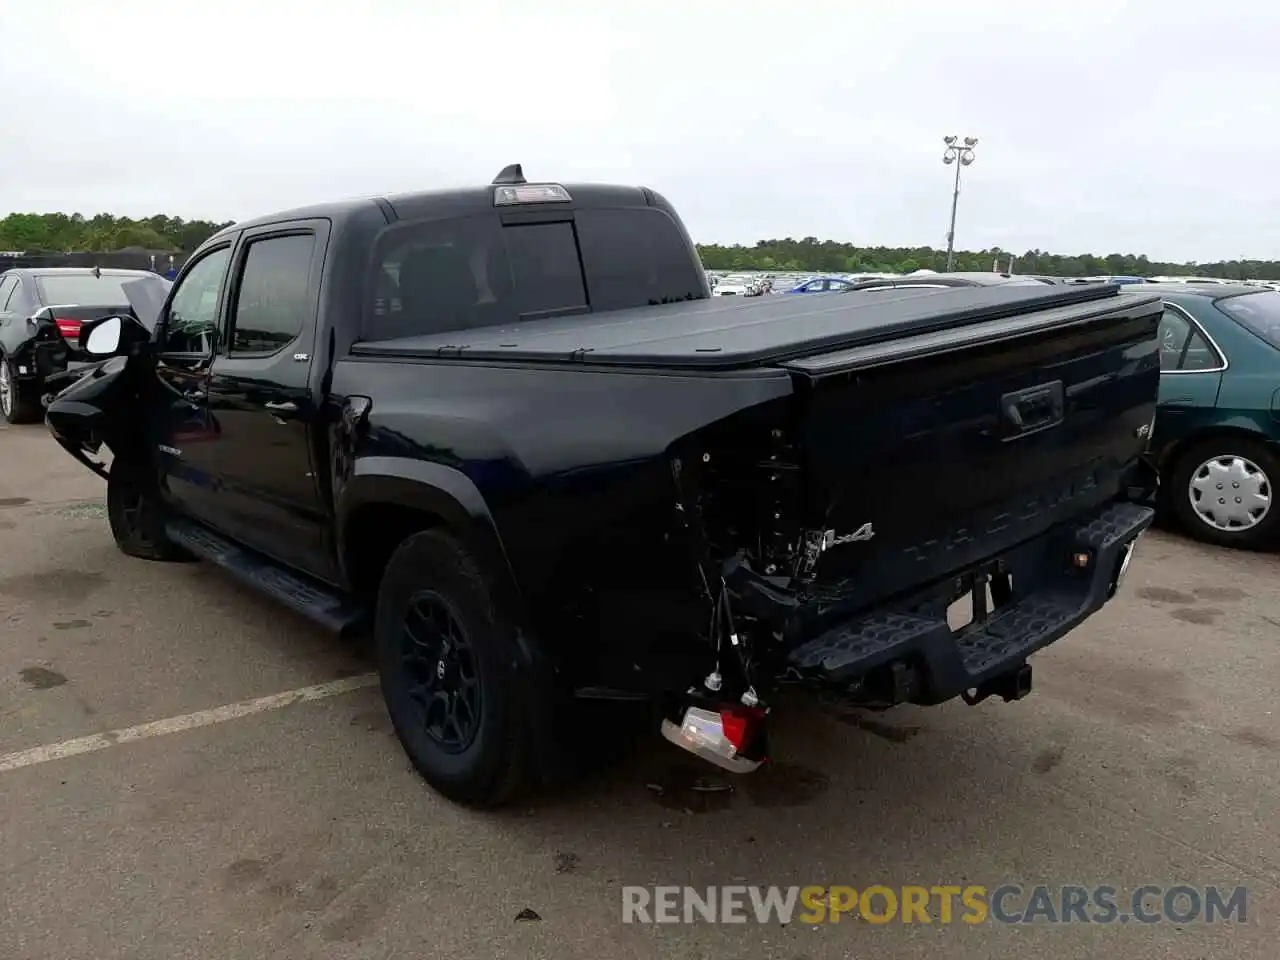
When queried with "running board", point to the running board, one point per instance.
{"points": [[319, 604]]}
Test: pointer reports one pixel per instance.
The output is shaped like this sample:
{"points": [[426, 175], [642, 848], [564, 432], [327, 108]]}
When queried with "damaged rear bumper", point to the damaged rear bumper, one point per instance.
{"points": [[909, 652]]}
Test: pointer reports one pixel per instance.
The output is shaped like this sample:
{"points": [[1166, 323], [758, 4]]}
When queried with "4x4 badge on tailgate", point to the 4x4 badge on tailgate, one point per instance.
{"points": [[864, 532]]}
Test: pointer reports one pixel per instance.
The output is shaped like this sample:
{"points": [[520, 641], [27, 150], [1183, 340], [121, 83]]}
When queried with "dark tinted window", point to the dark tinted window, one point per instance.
{"points": [[1258, 313], [436, 276], [545, 270], [635, 257], [272, 300], [433, 276], [192, 321], [7, 286]]}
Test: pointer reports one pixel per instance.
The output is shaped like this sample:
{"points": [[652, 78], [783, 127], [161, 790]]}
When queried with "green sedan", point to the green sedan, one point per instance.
{"points": [[1217, 431]]}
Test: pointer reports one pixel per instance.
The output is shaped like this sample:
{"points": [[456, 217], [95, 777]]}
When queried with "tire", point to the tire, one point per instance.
{"points": [[19, 402], [136, 514], [1245, 468], [466, 662]]}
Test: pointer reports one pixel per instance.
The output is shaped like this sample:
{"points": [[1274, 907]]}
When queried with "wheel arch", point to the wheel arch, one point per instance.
{"points": [[388, 499], [1168, 457]]}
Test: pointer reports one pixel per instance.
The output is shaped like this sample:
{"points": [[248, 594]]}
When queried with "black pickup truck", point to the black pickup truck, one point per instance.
{"points": [[507, 429]]}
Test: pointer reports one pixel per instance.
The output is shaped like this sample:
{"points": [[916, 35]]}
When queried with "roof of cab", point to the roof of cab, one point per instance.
{"points": [[79, 271], [453, 202]]}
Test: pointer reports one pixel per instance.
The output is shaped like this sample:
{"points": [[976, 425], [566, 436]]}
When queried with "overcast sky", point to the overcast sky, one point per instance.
{"points": [[1145, 127]]}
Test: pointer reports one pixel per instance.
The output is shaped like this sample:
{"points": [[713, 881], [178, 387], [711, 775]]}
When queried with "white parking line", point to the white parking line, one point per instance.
{"points": [[190, 721]]}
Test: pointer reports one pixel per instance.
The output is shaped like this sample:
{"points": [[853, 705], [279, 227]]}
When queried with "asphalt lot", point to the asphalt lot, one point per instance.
{"points": [[1149, 752]]}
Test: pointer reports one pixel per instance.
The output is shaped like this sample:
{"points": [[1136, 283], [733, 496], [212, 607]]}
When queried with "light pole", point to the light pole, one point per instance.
{"points": [[961, 155]]}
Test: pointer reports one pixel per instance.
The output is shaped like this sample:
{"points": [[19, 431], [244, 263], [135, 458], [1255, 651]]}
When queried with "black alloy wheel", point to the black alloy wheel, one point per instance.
{"points": [[441, 674], [467, 699]]}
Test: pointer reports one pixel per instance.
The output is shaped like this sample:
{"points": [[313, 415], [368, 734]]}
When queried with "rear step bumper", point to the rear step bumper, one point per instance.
{"points": [[911, 654]]}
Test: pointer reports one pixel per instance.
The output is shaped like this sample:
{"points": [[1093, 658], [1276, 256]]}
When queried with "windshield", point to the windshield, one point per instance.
{"points": [[84, 289], [1259, 313]]}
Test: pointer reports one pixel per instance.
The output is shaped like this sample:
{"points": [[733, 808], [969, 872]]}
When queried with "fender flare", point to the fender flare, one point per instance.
{"points": [[432, 488]]}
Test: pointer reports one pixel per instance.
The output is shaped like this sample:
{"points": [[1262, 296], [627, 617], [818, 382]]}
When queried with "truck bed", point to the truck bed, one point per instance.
{"points": [[727, 333]]}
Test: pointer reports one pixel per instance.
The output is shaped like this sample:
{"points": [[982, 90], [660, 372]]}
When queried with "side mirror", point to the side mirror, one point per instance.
{"points": [[111, 336], [104, 339]]}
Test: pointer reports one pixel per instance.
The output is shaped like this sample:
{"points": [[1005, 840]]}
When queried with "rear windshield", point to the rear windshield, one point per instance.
{"points": [[441, 275], [82, 289], [1259, 313]]}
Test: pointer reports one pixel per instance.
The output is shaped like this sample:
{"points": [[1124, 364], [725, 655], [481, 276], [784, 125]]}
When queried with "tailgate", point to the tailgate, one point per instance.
{"points": [[923, 455]]}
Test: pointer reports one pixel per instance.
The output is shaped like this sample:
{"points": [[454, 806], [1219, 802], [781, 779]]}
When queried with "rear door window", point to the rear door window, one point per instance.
{"points": [[273, 297], [1199, 356], [1184, 347], [1174, 331]]}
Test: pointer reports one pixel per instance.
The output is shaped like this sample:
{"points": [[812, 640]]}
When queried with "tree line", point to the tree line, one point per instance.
{"points": [[828, 256], [36, 233]]}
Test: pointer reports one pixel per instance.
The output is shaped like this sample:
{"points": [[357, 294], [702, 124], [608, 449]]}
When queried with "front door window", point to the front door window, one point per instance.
{"points": [[192, 322]]}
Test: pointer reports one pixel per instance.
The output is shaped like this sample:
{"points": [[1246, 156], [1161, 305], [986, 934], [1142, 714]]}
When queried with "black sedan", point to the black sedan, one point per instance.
{"points": [[41, 311]]}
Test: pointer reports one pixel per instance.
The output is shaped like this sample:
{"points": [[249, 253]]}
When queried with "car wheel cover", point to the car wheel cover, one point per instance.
{"points": [[1230, 493], [6, 388], [440, 675]]}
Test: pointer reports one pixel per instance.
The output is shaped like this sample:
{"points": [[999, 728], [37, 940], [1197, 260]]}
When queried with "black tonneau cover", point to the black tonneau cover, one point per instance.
{"points": [[727, 332]]}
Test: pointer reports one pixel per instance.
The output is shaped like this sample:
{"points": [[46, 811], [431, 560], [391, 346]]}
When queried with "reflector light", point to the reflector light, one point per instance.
{"points": [[530, 193], [735, 728]]}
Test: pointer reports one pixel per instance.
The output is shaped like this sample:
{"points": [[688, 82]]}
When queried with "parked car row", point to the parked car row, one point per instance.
{"points": [[811, 283]]}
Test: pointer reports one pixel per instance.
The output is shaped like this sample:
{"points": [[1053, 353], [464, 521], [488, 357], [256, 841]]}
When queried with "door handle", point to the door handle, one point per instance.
{"points": [[282, 406], [195, 394]]}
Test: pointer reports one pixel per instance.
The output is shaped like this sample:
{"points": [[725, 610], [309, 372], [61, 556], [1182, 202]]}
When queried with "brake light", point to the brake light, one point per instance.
{"points": [[531, 193], [740, 724], [70, 329]]}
